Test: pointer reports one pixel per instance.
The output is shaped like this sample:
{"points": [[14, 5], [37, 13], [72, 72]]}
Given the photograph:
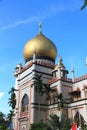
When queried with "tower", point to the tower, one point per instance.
{"points": [[39, 55]]}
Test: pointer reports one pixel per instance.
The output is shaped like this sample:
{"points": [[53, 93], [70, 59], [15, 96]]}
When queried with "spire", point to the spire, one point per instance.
{"points": [[60, 63], [73, 74], [40, 27], [59, 68], [60, 60]]}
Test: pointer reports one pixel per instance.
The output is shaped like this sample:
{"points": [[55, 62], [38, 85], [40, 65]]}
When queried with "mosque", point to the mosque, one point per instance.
{"points": [[40, 55]]}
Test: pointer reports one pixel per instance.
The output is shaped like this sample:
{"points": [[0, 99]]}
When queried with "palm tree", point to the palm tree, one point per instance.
{"points": [[48, 90], [56, 124], [40, 126], [38, 83], [12, 103], [38, 86], [12, 99], [61, 103], [66, 123], [84, 5], [3, 122], [10, 115]]}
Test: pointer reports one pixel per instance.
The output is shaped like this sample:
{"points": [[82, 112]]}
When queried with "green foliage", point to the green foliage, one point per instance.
{"points": [[38, 83], [84, 4], [85, 127], [48, 90], [39, 126], [3, 122], [12, 103], [42, 88], [12, 99], [66, 123], [38, 86], [10, 115], [54, 122], [63, 124], [61, 101]]}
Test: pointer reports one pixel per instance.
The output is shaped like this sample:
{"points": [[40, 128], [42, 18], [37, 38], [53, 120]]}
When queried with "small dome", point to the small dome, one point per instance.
{"points": [[43, 47], [60, 65]]}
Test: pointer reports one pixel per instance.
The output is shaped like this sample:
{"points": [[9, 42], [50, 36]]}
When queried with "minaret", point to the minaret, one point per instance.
{"points": [[59, 69], [72, 74]]}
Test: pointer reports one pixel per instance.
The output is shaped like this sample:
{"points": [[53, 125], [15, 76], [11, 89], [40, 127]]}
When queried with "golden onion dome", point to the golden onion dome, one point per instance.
{"points": [[43, 47]]}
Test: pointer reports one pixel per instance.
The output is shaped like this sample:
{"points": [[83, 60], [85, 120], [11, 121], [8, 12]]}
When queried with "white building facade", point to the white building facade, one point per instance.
{"points": [[39, 55]]}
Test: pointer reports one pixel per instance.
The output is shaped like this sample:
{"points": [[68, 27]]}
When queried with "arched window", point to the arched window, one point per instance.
{"points": [[24, 103]]}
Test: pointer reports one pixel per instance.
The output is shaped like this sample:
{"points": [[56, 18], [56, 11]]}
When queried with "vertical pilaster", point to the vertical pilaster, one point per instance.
{"points": [[32, 104], [33, 88], [59, 80]]}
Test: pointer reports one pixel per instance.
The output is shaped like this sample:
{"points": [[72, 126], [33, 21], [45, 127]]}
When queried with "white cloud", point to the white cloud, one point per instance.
{"points": [[49, 12], [1, 94], [19, 22]]}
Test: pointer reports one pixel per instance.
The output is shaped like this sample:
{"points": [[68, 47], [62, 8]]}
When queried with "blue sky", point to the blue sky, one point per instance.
{"points": [[63, 23]]}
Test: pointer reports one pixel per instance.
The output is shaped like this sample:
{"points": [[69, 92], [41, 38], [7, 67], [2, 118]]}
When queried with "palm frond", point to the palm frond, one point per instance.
{"points": [[84, 5]]}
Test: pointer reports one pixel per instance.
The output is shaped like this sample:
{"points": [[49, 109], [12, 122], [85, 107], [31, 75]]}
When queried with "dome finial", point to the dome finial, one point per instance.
{"points": [[40, 25]]}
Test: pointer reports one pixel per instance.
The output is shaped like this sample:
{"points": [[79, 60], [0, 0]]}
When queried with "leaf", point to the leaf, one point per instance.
{"points": [[84, 5]]}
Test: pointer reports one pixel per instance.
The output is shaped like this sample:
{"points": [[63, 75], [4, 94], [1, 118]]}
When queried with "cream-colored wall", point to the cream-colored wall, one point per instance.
{"points": [[66, 88], [25, 87], [80, 104]]}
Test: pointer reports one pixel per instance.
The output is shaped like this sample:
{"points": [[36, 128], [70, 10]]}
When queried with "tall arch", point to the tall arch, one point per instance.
{"points": [[24, 103]]}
